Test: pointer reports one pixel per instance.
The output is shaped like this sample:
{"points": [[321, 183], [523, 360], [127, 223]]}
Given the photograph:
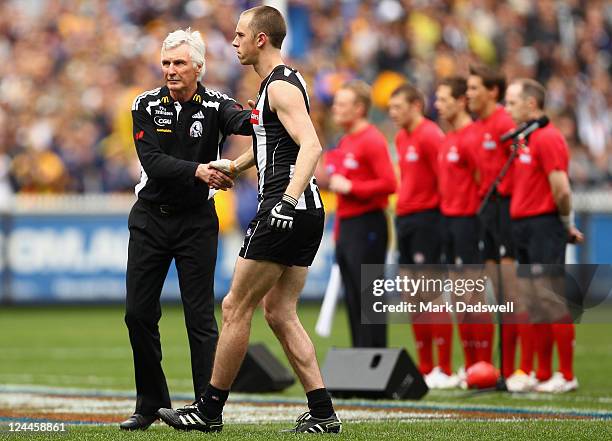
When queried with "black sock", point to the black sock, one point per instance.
{"points": [[320, 403], [212, 402]]}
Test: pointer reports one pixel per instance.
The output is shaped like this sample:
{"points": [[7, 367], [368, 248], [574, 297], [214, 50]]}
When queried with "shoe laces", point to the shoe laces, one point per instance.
{"points": [[188, 408], [300, 420], [302, 417]]}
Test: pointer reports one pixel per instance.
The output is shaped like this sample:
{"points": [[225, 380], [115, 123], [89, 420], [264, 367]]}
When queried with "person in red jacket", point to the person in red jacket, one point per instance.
{"points": [[542, 224], [485, 91], [363, 179], [458, 186], [418, 236]]}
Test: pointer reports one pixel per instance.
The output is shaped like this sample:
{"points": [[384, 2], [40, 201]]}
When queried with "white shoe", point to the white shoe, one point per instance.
{"points": [[557, 384], [433, 377], [462, 377], [519, 381], [446, 381], [438, 379]]}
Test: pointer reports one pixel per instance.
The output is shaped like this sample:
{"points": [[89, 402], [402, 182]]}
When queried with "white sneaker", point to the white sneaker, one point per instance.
{"points": [[438, 379], [446, 381], [519, 381], [462, 377], [432, 379], [557, 384]]}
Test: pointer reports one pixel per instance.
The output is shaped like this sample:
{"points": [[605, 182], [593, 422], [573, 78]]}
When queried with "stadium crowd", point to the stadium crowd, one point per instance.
{"points": [[69, 70]]}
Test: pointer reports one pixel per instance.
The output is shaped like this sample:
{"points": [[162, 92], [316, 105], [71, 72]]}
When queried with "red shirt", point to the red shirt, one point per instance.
{"points": [[492, 154], [456, 169], [363, 158], [418, 160], [545, 152]]}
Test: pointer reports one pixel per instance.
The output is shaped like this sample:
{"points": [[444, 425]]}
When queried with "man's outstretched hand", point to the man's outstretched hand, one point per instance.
{"points": [[213, 177], [226, 166]]}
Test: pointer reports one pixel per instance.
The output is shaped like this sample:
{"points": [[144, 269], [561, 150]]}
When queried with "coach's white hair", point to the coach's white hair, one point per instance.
{"points": [[197, 48]]}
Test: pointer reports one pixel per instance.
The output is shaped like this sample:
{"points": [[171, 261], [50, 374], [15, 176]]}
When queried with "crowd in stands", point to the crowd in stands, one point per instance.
{"points": [[69, 70]]}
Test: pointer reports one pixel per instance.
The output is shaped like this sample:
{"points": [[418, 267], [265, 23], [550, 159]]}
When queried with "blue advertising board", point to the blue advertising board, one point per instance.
{"points": [[75, 258]]}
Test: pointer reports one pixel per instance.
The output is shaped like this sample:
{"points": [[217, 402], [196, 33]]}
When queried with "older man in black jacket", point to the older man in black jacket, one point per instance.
{"points": [[178, 130]]}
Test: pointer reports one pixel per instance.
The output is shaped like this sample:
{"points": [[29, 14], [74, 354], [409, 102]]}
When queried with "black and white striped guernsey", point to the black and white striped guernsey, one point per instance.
{"points": [[274, 149]]}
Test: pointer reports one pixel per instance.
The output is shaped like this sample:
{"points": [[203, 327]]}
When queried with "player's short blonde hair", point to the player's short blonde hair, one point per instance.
{"points": [[197, 48]]}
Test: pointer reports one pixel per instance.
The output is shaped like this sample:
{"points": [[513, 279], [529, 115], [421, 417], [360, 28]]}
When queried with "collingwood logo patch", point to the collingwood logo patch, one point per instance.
{"points": [[195, 131]]}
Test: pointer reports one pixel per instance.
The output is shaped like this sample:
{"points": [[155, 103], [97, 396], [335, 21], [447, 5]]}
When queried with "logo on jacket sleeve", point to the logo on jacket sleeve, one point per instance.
{"points": [[195, 131]]}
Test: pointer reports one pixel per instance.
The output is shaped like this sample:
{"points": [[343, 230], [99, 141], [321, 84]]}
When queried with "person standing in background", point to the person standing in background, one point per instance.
{"points": [[418, 235], [542, 224], [458, 185], [363, 179], [485, 91]]}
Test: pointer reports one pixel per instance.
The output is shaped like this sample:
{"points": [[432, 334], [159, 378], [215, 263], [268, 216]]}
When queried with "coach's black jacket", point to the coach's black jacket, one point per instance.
{"points": [[172, 138]]}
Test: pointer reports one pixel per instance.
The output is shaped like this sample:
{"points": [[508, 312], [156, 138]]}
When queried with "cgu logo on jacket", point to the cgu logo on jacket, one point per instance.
{"points": [[161, 121], [196, 129]]}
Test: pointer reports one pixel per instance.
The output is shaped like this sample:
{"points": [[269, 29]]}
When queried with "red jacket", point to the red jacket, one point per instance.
{"points": [[363, 158]]}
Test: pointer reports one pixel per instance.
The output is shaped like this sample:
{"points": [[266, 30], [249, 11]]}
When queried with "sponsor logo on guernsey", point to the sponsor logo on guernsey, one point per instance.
{"points": [[350, 162], [412, 155], [255, 117], [453, 154], [525, 156], [489, 143], [198, 115], [163, 112], [196, 129]]}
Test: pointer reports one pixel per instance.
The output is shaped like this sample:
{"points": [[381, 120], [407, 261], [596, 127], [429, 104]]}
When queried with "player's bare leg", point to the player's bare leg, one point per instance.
{"points": [[252, 280], [280, 305]]}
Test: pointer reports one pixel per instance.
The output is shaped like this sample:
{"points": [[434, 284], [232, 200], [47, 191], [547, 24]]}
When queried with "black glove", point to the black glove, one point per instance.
{"points": [[281, 216]]}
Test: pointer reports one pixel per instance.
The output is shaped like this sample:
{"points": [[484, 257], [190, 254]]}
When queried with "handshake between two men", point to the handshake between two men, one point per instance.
{"points": [[220, 175]]}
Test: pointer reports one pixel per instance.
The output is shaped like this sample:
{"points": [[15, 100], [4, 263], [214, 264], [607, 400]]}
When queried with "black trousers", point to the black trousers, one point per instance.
{"points": [[361, 240], [190, 237]]}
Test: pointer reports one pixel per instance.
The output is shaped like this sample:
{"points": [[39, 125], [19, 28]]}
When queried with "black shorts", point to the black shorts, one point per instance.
{"points": [[540, 239], [297, 247], [494, 230], [460, 240], [418, 237]]}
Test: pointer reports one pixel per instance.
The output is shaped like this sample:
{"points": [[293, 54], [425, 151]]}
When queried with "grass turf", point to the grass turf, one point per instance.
{"points": [[88, 347], [436, 430]]}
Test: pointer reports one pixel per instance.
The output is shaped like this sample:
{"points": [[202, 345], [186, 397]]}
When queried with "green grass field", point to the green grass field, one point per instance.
{"points": [[88, 348]]}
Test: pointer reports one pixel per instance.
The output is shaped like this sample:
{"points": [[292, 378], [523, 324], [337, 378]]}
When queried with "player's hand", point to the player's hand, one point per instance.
{"points": [[213, 177], [339, 184], [251, 104], [282, 215], [574, 235], [226, 166]]}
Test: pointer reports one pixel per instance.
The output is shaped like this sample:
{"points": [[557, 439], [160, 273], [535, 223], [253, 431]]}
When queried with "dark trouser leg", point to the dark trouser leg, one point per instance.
{"points": [[146, 270], [196, 256], [351, 290], [362, 240]]}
